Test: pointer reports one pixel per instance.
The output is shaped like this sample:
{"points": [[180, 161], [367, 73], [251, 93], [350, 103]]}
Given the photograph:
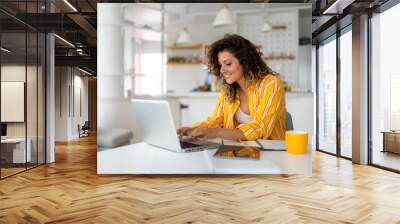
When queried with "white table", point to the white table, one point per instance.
{"points": [[18, 149], [141, 158]]}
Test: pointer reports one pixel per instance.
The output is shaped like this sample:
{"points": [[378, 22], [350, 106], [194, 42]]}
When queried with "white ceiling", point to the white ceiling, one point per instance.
{"points": [[180, 8], [178, 12], [150, 14]]}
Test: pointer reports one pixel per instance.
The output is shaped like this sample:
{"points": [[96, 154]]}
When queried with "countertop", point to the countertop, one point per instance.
{"points": [[193, 94], [216, 94]]}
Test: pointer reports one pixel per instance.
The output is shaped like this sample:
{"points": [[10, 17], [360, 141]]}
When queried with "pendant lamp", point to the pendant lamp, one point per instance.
{"points": [[184, 37], [224, 17]]}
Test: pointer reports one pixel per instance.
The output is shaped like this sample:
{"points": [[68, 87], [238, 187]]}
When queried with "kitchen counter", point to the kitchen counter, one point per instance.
{"points": [[216, 94], [193, 94], [192, 107]]}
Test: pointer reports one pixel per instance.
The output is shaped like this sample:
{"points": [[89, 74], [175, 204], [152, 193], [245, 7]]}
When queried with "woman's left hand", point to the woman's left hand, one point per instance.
{"points": [[203, 133]]}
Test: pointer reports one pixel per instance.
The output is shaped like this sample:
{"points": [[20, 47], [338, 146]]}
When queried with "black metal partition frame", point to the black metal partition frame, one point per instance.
{"points": [[339, 29], [35, 56], [333, 34]]}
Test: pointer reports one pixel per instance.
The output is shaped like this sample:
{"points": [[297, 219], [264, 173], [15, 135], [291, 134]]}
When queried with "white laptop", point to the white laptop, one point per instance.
{"points": [[154, 120]]}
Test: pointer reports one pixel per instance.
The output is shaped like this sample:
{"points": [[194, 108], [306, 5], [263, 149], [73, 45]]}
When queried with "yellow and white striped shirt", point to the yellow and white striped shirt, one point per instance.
{"points": [[267, 110]]}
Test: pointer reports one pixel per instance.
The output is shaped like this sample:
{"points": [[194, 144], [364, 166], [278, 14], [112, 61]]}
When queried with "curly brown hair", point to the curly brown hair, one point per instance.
{"points": [[248, 55]]}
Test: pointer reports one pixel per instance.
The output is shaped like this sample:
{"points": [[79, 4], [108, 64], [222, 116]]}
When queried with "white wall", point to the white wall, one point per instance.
{"points": [[110, 52], [33, 126], [61, 103], [50, 95], [301, 107], [304, 54], [296, 72], [80, 117], [17, 73], [183, 78], [67, 82]]}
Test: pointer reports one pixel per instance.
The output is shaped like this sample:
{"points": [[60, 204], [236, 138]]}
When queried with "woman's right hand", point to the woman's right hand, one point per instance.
{"points": [[184, 131]]}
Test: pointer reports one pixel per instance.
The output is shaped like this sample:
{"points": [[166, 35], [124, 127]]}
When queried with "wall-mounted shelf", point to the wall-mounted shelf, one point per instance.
{"points": [[185, 47], [184, 60], [279, 56], [279, 27], [184, 63], [304, 41]]}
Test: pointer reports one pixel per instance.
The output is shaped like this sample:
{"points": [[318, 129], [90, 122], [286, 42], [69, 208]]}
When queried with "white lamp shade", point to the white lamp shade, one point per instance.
{"points": [[267, 27], [184, 37], [224, 17]]}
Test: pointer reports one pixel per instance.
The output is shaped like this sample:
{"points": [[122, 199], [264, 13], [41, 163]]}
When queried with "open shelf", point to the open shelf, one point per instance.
{"points": [[184, 63], [185, 47], [279, 27], [280, 56]]}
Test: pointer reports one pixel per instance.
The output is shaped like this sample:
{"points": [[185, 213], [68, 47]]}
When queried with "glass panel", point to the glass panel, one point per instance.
{"points": [[327, 96], [13, 87], [346, 94], [31, 98], [32, 87], [23, 90], [41, 98], [385, 86]]}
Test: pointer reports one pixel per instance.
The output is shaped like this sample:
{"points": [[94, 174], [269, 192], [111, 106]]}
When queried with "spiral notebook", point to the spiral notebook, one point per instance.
{"points": [[238, 152]]}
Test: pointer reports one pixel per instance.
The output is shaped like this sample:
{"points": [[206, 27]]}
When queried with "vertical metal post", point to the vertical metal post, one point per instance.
{"points": [[338, 98], [0, 95], [37, 90], [317, 96], [369, 88], [162, 49], [26, 86]]}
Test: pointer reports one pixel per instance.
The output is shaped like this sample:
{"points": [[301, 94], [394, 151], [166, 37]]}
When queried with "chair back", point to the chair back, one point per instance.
{"points": [[289, 121], [86, 125]]}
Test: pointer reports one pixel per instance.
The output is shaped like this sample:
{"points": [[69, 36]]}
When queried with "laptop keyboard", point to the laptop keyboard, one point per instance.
{"points": [[185, 145]]}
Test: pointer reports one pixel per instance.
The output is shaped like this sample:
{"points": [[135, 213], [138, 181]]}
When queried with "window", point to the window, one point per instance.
{"points": [[150, 81], [327, 96], [385, 87], [394, 101], [346, 94]]}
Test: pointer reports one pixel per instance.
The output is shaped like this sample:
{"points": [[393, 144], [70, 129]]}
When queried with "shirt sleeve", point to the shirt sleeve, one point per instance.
{"points": [[266, 115], [216, 120]]}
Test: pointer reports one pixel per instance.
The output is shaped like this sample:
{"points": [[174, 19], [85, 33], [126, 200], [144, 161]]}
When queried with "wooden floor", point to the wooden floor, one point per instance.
{"points": [[5, 172], [70, 191], [387, 159]]}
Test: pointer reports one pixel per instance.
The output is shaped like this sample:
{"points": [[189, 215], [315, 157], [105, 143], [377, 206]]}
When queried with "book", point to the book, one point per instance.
{"points": [[272, 145], [238, 152]]}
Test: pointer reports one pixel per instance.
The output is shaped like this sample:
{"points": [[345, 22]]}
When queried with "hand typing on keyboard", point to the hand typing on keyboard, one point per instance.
{"points": [[183, 131], [198, 133]]}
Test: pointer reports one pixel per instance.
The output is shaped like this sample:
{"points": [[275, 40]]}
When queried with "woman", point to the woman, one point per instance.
{"points": [[251, 104]]}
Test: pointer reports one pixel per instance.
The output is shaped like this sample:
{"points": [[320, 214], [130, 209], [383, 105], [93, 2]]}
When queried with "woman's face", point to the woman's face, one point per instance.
{"points": [[231, 69]]}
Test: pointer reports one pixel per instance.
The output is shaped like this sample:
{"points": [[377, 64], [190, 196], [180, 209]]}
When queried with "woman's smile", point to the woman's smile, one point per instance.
{"points": [[231, 69]]}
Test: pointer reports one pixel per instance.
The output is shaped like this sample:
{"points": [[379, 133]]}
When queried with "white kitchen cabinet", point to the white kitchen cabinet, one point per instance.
{"points": [[196, 109]]}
